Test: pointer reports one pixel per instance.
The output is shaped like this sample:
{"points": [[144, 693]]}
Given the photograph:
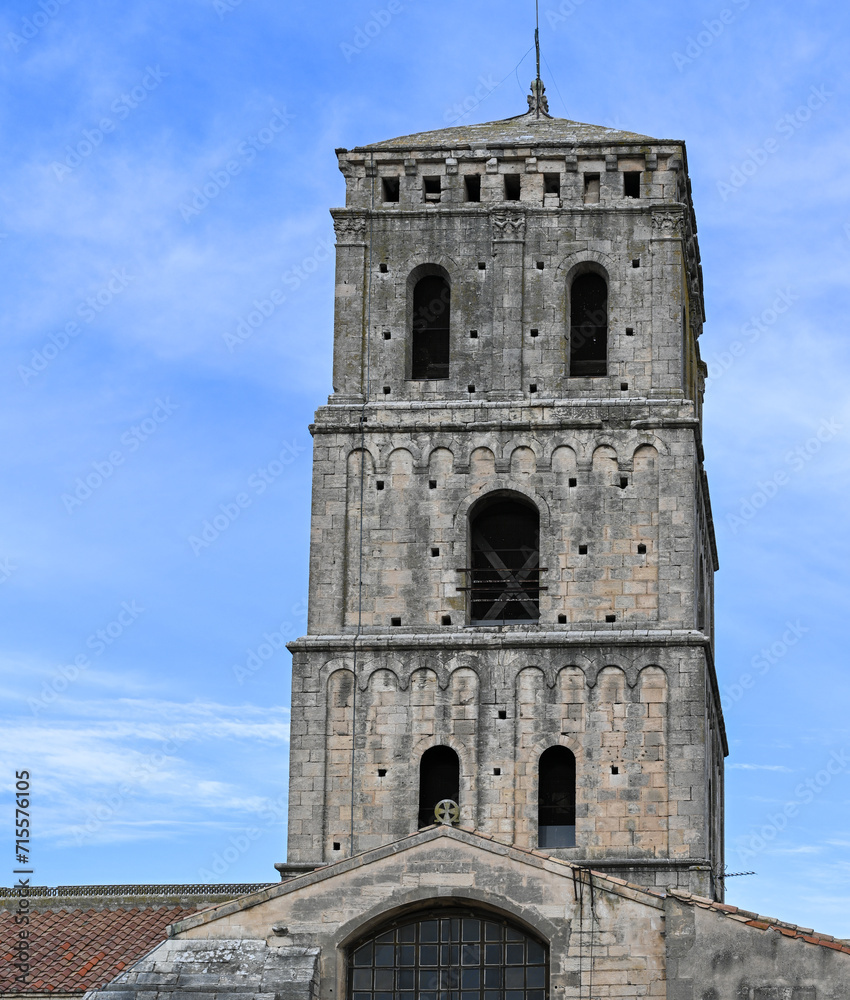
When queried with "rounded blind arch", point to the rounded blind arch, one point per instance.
{"points": [[449, 954]]}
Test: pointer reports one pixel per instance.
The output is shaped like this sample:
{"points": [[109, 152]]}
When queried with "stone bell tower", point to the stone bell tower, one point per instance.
{"points": [[512, 550]]}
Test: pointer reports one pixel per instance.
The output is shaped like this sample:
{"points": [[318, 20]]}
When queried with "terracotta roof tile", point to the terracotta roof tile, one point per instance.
{"points": [[74, 950]]}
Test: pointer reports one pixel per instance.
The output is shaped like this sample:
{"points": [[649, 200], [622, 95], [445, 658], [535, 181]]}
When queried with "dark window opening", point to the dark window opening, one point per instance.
{"points": [[432, 187], [431, 316], [512, 187], [631, 183], [551, 183], [439, 778], [472, 187], [395, 622], [448, 954], [390, 187], [589, 325], [556, 803], [505, 568], [591, 189]]}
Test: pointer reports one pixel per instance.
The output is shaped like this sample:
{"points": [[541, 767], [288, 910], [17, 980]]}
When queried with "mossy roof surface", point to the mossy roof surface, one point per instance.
{"points": [[523, 130]]}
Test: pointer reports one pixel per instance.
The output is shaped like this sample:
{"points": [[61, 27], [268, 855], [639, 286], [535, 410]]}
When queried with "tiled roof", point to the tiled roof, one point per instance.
{"points": [[764, 923], [523, 130], [74, 950]]}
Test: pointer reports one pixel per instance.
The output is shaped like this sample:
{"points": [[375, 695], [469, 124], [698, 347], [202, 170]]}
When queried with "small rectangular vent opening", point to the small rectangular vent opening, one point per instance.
{"points": [[512, 187], [533, 387], [535, 333], [390, 186], [582, 550], [387, 390], [502, 714], [395, 622], [573, 482], [473, 335], [470, 388], [615, 769], [482, 266], [562, 619], [446, 620], [472, 187], [624, 387], [641, 549], [497, 771], [630, 332], [337, 846], [610, 619], [434, 553], [387, 335], [636, 263], [432, 186], [432, 484], [631, 184], [379, 485], [383, 268], [624, 482], [382, 772], [541, 264]]}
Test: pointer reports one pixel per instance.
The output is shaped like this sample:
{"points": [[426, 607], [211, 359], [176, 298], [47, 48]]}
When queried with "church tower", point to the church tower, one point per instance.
{"points": [[512, 550]]}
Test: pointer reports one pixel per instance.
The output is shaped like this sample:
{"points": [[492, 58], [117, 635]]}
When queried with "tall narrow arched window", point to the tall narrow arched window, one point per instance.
{"points": [[430, 333], [589, 325], [556, 804], [448, 954], [505, 567], [439, 778]]}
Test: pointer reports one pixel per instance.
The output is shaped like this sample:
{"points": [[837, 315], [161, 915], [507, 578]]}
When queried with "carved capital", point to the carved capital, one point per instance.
{"points": [[666, 224], [509, 227], [350, 230]]}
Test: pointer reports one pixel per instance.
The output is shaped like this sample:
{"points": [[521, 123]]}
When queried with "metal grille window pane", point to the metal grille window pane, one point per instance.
{"points": [[505, 569], [589, 325], [431, 321], [455, 957]]}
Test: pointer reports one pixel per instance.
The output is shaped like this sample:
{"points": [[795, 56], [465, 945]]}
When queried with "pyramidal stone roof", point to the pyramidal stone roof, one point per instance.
{"points": [[529, 129]]}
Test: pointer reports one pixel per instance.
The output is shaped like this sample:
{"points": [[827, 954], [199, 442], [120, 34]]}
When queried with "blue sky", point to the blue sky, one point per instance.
{"points": [[159, 746]]}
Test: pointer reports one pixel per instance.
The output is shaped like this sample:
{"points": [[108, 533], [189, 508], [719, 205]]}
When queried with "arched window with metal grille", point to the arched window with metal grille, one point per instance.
{"points": [[439, 779], [556, 798], [432, 300], [504, 570], [589, 325], [450, 954]]}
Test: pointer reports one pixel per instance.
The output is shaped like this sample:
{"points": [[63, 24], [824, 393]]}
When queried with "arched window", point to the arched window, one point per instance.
{"points": [[589, 325], [439, 778], [451, 954], [556, 805], [430, 334], [505, 567]]}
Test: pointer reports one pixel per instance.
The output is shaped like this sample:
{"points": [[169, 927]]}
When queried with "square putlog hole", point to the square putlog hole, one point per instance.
{"points": [[383, 268], [582, 550], [395, 622], [446, 620], [610, 619], [382, 772], [562, 619], [379, 485], [435, 552], [573, 483], [473, 335], [641, 550], [502, 714], [432, 484], [387, 335]]}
